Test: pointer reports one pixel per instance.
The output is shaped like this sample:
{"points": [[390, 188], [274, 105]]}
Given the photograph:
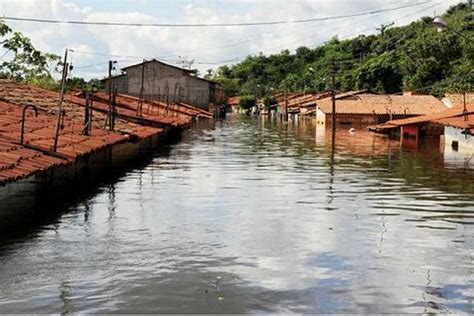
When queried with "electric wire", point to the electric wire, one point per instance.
{"points": [[103, 23]]}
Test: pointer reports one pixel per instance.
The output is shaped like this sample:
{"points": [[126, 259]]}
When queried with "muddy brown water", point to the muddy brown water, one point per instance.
{"points": [[251, 216]]}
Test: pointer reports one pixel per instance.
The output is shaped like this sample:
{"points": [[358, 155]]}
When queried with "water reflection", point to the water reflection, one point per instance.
{"points": [[251, 215]]}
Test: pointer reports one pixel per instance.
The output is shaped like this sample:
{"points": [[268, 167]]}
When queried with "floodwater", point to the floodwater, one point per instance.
{"points": [[253, 216]]}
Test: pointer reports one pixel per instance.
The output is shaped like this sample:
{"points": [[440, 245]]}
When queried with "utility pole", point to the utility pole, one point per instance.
{"points": [[111, 87], [142, 90], [110, 80], [86, 130], [286, 102], [61, 99], [333, 96], [114, 103]]}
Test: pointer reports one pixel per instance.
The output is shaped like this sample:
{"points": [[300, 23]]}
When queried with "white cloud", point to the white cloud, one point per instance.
{"points": [[202, 44]]}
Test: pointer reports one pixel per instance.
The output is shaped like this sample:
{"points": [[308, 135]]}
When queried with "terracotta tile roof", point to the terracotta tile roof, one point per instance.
{"points": [[291, 98], [152, 115], [21, 94], [383, 104], [233, 101], [449, 117], [453, 99], [180, 109], [280, 97], [18, 162], [191, 110], [305, 100], [40, 132], [465, 122], [352, 93]]}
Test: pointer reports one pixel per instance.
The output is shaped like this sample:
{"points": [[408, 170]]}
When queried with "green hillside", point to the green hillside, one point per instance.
{"points": [[413, 57]]}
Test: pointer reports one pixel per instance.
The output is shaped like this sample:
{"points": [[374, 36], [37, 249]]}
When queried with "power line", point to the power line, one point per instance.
{"points": [[346, 37], [236, 42], [237, 58], [203, 62], [102, 23]]}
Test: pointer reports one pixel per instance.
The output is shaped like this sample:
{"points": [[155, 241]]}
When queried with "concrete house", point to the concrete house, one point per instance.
{"points": [[157, 81]]}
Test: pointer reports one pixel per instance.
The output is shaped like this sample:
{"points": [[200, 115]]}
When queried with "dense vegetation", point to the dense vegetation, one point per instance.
{"points": [[413, 57], [27, 63], [21, 61]]}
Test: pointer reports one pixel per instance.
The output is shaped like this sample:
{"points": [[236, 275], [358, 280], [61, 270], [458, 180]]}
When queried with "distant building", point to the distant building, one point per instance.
{"points": [[157, 81], [362, 108], [234, 103]]}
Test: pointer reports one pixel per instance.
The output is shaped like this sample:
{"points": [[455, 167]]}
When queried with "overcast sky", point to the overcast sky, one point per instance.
{"points": [[207, 46]]}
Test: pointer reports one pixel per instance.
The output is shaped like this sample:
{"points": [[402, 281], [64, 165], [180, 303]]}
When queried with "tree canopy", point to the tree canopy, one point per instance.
{"points": [[413, 57], [27, 63]]}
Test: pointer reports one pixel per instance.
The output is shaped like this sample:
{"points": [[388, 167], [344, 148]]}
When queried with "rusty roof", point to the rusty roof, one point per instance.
{"points": [[21, 94], [383, 104]]}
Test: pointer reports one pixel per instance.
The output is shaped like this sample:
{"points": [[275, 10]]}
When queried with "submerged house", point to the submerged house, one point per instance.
{"points": [[455, 124], [156, 81], [363, 108], [233, 103]]}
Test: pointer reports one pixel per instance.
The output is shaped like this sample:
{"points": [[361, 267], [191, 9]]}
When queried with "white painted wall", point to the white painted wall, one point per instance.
{"points": [[465, 141], [463, 158], [320, 116]]}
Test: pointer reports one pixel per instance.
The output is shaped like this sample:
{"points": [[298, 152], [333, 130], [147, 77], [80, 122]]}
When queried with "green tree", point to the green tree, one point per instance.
{"points": [[27, 63], [247, 102], [414, 57]]}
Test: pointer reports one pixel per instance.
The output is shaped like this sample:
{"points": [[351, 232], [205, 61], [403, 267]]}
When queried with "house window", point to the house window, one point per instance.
{"points": [[455, 145]]}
